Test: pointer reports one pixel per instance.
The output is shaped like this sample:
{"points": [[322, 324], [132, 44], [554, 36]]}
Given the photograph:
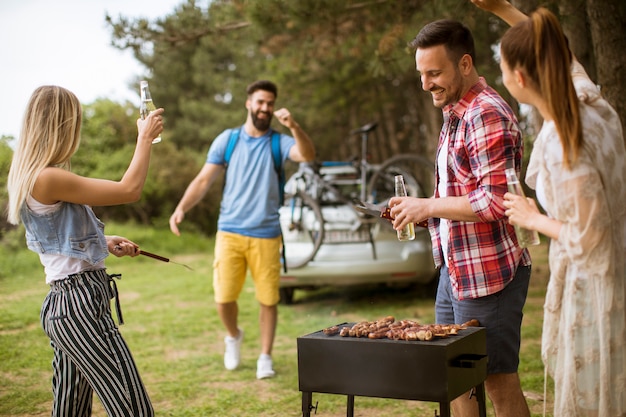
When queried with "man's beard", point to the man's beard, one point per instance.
{"points": [[452, 93], [261, 124]]}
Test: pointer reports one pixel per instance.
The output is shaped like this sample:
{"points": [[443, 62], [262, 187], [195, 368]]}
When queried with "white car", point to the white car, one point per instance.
{"points": [[353, 249]]}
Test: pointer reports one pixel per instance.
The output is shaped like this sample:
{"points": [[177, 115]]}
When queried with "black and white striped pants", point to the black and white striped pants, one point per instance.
{"points": [[89, 351]]}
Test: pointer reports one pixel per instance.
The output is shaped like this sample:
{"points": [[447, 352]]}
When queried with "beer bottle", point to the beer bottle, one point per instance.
{"points": [[408, 233], [146, 104], [525, 237]]}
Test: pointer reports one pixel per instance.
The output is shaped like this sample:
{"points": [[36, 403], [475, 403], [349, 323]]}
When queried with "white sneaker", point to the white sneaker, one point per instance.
{"points": [[264, 367], [231, 353]]}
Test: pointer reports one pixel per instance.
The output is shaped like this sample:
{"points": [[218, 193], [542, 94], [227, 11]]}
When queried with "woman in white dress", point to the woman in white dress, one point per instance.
{"points": [[578, 170]]}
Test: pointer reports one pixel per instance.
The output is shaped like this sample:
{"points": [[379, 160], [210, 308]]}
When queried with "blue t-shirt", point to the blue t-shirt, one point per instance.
{"points": [[250, 200]]}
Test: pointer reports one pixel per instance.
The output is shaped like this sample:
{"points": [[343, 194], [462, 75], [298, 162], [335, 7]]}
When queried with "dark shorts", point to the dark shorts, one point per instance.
{"points": [[500, 313]]}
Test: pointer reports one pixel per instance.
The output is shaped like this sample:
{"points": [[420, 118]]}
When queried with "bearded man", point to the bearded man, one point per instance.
{"points": [[249, 234]]}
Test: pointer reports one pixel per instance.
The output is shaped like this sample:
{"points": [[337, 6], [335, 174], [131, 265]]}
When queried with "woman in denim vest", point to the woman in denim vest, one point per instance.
{"points": [[55, 207]]}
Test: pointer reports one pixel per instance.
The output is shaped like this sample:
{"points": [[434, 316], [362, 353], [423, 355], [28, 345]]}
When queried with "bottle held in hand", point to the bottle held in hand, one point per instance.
{"points": [[525, 237], [146, 104], [408, 233]]}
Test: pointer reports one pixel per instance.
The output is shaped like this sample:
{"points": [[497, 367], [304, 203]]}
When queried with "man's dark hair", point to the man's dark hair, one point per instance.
{"points": [[453, 35], [264, 85]]}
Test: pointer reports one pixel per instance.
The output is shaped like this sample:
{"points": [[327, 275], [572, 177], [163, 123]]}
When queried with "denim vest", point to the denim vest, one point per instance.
{"points": [[73, 230]]}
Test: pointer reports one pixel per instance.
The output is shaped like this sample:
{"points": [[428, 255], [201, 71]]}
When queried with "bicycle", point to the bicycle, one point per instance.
{"points": [[318, 186]]}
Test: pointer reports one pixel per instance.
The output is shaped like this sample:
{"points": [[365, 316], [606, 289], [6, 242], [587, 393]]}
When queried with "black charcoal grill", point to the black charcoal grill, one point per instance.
{"points": [[436, 371]]}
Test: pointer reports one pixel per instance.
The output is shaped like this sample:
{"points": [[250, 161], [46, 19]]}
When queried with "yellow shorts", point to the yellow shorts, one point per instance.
{"points": [[234, 254]]}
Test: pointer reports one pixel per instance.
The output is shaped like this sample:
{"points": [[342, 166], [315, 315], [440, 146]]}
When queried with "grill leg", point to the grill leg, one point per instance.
{"points": [[307, 399], [480, 397], [350, 410], [444, 409]]}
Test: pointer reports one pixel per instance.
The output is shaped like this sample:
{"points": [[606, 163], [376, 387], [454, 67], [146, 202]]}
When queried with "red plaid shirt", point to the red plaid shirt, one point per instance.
{"points": [[484, 139]]}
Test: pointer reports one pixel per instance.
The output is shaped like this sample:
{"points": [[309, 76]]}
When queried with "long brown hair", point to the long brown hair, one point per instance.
{"points": [[538, 47]]}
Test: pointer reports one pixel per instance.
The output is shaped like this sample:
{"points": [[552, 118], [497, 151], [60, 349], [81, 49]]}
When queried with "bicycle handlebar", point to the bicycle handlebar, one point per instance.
{"points": [[365, 129]]}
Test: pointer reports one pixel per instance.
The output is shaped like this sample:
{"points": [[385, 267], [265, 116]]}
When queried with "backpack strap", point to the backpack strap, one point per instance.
{"points": [[278, 167], [230, 147], [278, 162], [232, 141]]}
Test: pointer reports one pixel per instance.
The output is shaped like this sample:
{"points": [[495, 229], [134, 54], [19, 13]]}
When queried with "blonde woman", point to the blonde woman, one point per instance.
{"points": [[578, 169], [55, 207]]}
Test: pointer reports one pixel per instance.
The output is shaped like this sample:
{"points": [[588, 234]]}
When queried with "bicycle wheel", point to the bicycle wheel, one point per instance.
{"points": [[303, 229], [417, 172]]}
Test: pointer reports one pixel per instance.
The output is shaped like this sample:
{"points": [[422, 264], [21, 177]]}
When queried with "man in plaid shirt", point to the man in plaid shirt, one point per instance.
{"points": [[484, 274]]}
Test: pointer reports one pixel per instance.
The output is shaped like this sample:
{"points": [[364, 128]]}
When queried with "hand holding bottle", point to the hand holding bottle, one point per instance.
{"points": [[147, 105], [150, 127], [408, 232], [516, 201]]}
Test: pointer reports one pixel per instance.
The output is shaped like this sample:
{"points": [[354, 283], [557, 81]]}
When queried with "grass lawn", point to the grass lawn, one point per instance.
{"points": [[177, 338]]}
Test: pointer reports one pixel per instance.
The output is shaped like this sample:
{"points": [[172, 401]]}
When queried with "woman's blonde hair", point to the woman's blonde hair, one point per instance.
{"points": [[539, 47], [50, 135]]}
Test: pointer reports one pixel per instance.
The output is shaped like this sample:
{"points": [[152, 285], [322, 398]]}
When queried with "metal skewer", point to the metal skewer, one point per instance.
{"points": [[162, 258], [158, 257]]}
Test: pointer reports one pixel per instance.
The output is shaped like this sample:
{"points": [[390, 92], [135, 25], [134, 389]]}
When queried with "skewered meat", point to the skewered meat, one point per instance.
{"points": [[388, 327]]}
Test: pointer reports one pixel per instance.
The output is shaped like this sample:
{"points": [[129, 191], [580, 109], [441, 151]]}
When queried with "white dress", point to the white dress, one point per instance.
{"points": [[584, 329]]}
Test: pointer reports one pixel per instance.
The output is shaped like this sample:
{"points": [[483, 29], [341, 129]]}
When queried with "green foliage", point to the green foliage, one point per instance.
{"points": [[6, 153], [338, 65], [108, 138], [199, 68], [108, 129], [109, 134], [14, 259], [171, 170]]}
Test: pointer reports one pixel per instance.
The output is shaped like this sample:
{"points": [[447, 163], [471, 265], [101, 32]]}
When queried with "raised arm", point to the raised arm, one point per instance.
{"points": [[56, 184], [303, 150], [503, 9]]}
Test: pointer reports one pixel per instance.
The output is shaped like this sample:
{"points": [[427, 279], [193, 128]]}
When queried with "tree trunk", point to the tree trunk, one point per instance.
{"points": [[575, 23], [608, 34]]}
